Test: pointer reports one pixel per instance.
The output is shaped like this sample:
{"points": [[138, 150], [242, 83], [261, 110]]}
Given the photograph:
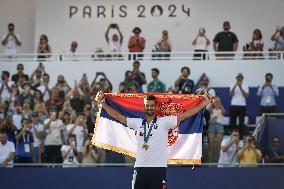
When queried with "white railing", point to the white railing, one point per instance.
{"points": [[201, 56]]}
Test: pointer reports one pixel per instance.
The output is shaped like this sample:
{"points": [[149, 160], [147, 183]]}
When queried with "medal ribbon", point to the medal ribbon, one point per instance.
{"points": [[147, 136]]}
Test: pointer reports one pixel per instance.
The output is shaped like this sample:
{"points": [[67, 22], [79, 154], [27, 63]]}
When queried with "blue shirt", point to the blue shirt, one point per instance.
{"points": [[268, 95], [20, 147]]}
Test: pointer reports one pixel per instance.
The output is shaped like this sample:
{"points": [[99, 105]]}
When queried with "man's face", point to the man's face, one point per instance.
{"points": [[268, 79], [235, 135], [4, 77], [38, 74], [185, 73], [150, 107], [275, 142], [240, 79], [226, 26], [3, 138], [20, 69], [27, 89], [11, 28], [154, 74], [35, 119], [136, 66], [205, 81]]}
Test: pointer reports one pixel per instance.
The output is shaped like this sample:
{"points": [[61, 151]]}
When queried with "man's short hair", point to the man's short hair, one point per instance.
{"points": [[156, 70], [11, 24], [151, 97], [136, 62], [226, 23], [6, 73], [2, 132], [269, 74], [235, 129], [186, 68]]}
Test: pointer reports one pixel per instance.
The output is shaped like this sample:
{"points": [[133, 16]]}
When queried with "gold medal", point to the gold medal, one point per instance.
{"points": [[145, 146]]}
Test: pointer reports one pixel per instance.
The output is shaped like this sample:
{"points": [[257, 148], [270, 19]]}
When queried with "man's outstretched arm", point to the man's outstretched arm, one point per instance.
{"points": [[111, 111], [192, 111]]}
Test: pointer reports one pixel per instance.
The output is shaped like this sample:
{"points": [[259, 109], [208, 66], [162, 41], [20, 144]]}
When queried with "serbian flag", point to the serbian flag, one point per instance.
{"points": [[184, 141]]}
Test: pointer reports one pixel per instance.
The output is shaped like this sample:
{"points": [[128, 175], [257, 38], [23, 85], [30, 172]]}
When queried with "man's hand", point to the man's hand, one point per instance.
{"points": [[208, 98], [5, 163]]}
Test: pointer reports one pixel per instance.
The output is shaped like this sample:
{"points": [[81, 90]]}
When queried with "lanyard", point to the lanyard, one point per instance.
{"points": [[147, 136]]}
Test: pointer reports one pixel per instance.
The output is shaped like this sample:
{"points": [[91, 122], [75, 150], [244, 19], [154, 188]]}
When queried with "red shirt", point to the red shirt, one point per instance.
{"points": [[136, 47]]}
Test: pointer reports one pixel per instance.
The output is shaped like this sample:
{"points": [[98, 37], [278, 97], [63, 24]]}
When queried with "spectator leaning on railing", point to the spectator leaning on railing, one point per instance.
{"points": [[43, 48], [225, 41], [10, 41], [201, 43], [136, 43]]}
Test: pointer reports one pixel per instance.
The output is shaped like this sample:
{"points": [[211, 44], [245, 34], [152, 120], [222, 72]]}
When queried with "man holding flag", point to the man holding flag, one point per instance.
{"points": [[152, 139]]}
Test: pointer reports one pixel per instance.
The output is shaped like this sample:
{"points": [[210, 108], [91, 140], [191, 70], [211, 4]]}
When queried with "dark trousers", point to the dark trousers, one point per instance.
{"points": [[267, 109], [20, 159], [135, 56], [238, 111], [199, 56], [52, 154], [150, 178]]}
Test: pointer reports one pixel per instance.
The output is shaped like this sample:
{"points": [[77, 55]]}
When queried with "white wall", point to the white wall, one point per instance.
{"points": [[34, 17], [221, 73], [22, 14], [52, 18]]}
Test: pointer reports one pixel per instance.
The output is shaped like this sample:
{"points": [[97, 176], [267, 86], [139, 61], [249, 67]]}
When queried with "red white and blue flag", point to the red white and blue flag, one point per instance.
{"points": [[184, 141]]}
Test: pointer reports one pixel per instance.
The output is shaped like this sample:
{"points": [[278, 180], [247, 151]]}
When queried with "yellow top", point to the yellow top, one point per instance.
{"points": [[250, 157]]}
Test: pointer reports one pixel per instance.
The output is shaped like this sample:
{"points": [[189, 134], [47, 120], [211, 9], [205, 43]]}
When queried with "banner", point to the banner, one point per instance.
{"points": [[184, 141]]}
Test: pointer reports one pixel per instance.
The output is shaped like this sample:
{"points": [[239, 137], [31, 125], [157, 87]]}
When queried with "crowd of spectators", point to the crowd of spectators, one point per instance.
{"points": [[224, 41], [40, 123], [54, 124]]}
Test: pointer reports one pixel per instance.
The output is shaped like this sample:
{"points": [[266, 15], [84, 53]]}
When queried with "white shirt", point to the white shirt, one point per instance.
{"points": [[238, 99], [11, 46], [38, 127], [53, 133], [201, 43], [46, 94], [17, 118], [218, 115], [5, 151], [156, 155], [5, 92], [229, 156], [71, 158], [114, 46], [79, 133]]}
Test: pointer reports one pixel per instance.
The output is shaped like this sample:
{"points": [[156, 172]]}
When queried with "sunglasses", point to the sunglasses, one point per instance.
{"points": [[275, 141]]}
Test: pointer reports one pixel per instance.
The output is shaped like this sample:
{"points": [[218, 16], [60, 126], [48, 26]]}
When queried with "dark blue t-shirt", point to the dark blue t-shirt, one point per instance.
{"points": [[185, 86]]}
